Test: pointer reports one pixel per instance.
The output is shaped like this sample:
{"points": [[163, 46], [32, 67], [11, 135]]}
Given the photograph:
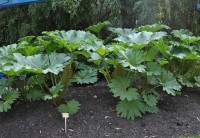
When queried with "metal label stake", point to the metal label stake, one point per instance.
{"points": [[65, 115]]}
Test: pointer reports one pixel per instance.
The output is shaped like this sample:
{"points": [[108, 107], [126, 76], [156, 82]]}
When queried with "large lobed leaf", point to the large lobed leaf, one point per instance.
{"points": [[121, 87], [153, 68], [133, 59], [181, 32], [8, 100], [152, 28], [6, 54], [29, 50], [151, 102], [185, 81], [72, 39], [121, 31], [85, 76], [98, 27], [131, 109], [35, 94], [27, 39], [169, 83], [104, 50], [151, 54], [53, 63], [183, 51], [197, 81], [186, 36], [140, 37]]}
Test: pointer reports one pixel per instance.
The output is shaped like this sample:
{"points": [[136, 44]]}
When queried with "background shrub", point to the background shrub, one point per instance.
{"points": [[20, 21]]}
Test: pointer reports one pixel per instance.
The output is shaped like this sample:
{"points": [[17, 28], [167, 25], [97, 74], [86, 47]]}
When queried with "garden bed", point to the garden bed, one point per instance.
{"points": [[178, 116]]}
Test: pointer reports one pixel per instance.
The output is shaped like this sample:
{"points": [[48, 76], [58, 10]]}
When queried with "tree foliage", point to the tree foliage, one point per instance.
{"points": [[32, 19], [175, 13]]}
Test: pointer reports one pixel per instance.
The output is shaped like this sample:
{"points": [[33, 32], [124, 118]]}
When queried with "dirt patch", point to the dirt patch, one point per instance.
{"points": [[97, 118]]}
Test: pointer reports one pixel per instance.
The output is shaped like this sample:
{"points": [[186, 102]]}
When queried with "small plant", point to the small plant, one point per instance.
{"points": [[70, 107]]}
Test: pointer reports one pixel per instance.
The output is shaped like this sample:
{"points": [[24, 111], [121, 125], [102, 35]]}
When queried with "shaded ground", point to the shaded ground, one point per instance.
{"points": [[97, 118]]}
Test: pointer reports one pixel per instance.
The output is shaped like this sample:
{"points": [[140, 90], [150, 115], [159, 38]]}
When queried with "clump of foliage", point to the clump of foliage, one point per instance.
{"points": [[134, 62], [140, 60], [43, 67]]}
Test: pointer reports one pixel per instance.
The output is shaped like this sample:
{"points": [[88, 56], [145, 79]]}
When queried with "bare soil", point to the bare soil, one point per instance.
{"points": [[178, 116]]}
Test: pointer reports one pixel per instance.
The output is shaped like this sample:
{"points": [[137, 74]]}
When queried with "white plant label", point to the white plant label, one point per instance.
{"points": [[65, 115]]}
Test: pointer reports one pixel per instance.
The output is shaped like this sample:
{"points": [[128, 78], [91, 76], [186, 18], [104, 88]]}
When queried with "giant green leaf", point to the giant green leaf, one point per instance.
{"points": [[185, 81], [151, 53], [91, 44], [35, 94], [103, 50], [71, 36], [30, 63], [27, 39], [186, 36], [29, 50], [48, 44], [169, 83], [54, 63], [131, 109], [122, 31], [71, 39], [181, 32], [98, 27], [162, 47], [152, 28], [6, 54], [45, 41], [8, 99], [133, 59], [192, 56], [96, 58], [153, 68], [121, 87], [150, 100], [190, 39], [197, 83], [152, 79], [9, 49], [141, 37], [179, 51], [85, 76]]}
